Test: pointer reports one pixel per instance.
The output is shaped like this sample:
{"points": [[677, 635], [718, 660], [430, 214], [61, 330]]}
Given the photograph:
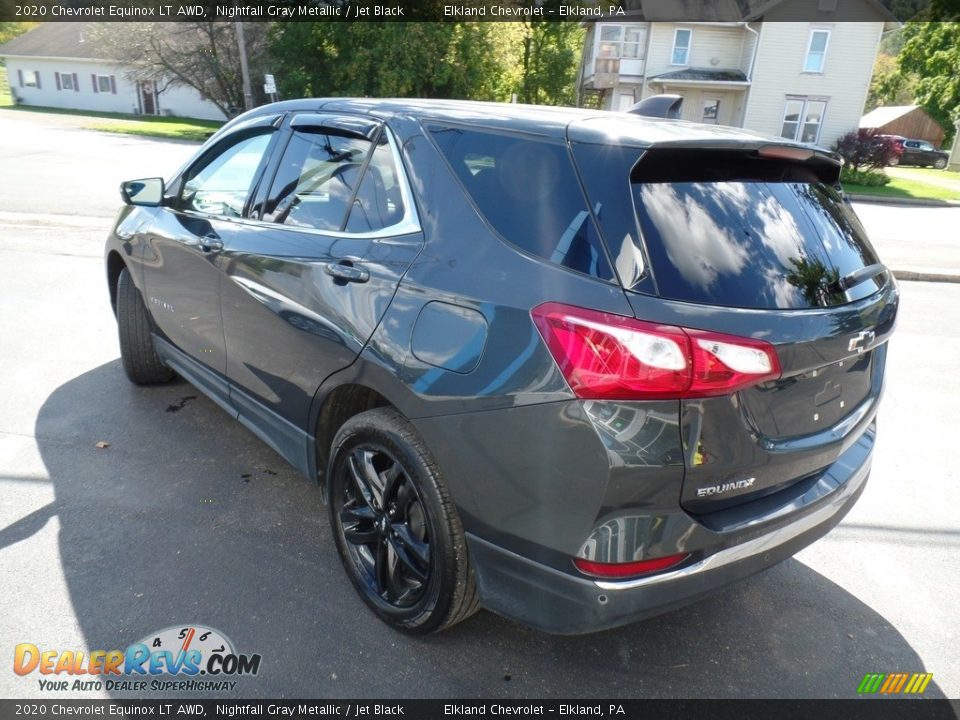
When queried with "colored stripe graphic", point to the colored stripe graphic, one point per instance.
{"points": [[894, 683]]}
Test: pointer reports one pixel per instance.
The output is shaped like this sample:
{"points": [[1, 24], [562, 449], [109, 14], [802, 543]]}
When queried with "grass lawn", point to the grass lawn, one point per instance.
{"points": [[903, 188], [166, 127], [915, 173]]}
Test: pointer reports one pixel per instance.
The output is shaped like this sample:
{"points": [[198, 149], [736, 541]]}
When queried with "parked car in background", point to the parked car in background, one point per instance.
{"points": [[574, 366], [888, 148], [920, 153]]}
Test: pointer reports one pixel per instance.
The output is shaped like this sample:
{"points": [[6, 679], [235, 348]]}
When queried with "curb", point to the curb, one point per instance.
{"points": [[918, 276], [917, 202]]}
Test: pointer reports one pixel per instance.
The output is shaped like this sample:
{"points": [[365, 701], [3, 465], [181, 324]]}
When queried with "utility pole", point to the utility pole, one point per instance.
{"points": [[244, 70]]}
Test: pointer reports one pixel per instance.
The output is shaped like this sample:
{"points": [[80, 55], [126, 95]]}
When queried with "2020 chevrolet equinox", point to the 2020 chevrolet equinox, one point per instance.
{"points": [[577, 367]]}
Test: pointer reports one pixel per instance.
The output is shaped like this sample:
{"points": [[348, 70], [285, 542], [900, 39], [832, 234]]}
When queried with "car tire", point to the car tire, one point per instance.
{"points": [[396, 527], [893, 161], [137, 352], [940, 164]]}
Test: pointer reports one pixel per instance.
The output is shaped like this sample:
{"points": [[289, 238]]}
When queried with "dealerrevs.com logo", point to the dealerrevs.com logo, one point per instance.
{"points": [[178, 658]]}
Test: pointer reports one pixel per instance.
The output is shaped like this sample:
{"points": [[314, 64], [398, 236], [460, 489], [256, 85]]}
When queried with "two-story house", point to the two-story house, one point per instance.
{"points": [[805, 80]]}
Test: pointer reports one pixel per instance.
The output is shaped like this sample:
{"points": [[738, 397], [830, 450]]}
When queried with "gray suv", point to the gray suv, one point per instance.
{"points": [[576, 367]]}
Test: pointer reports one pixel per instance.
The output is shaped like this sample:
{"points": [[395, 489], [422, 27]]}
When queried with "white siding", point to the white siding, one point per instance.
{"points": [[180, 101], [843, 83], [712, 46]]}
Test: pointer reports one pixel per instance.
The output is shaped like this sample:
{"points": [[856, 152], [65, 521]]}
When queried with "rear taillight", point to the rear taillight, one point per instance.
{"points": [[628, 569], [611, 357]]}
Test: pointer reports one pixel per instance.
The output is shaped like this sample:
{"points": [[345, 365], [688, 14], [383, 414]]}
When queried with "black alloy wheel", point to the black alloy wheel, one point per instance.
{"points": [[384, 523], [395, 526]]}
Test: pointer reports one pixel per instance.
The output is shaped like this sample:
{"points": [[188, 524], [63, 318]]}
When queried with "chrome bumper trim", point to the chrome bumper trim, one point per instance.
{"points": [[753, 547]]}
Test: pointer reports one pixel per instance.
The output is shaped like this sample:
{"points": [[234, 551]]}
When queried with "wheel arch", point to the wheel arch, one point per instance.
{"points": [[115, 265], [337, 406]]}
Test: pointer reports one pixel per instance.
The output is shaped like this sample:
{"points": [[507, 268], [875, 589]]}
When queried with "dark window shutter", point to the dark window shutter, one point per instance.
{"points": [[113, 85], [56, 77], [36, 74], [94, 78], [76, 83], [20, 76]]}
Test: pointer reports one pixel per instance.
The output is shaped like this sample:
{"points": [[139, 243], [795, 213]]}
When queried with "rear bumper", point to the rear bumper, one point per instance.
{"points": [[556, 602]]}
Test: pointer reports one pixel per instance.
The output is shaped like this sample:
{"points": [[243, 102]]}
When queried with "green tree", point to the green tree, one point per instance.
{"points": [[9, 30], [931, 51], [889, 85], [549, 59], [390, 59]]}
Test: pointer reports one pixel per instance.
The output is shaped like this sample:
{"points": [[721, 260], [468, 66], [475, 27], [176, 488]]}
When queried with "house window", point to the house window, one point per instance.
{"points": [[31, 78], [816, 51], [103, 83], [66, 81], [632, 39], [802, 119], [620, 41], [610, 36], [681, 46]]}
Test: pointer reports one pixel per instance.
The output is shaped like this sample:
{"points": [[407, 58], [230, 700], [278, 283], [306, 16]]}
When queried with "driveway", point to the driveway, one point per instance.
{"points": [[185, 517]]}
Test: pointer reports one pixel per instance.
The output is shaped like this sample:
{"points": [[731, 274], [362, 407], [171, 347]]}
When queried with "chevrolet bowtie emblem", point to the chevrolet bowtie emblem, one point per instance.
{"points": [[861, 341]]}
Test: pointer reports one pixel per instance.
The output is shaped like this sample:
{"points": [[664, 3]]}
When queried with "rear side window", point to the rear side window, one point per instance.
{"points": [[752, 244], [528, 192], [325, 181]]}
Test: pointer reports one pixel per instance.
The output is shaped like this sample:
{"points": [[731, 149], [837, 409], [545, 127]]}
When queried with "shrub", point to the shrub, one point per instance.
{"points": [[868, 177], [866, 148]]}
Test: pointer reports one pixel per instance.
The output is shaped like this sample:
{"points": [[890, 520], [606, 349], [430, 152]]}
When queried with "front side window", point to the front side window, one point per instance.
{"points": [[802, 119], [326, 182], [681, 46], [816, 51], [528, 192], [220, 185]]}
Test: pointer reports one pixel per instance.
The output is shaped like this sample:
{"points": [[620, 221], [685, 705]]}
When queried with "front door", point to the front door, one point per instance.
{"points": [[307, 280], [710, 111], [182, 264], [148, 99]]}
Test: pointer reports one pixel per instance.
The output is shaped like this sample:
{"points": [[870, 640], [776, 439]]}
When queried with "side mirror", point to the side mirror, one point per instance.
{"points": [[147, 192]]}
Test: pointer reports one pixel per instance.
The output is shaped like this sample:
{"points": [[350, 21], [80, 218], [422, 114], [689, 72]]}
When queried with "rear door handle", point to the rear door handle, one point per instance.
{"points": [[345, 271], [211, 244]]}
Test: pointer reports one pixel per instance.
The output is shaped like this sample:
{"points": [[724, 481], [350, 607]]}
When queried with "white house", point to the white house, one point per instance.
{"points": [[54, 66], [802, 79]]}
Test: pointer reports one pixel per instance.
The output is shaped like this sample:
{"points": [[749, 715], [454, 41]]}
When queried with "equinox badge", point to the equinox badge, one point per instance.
{"points": [[725, 487]]}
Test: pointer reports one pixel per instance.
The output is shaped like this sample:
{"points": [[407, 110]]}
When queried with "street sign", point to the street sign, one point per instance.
{"points": [[269, 84]]}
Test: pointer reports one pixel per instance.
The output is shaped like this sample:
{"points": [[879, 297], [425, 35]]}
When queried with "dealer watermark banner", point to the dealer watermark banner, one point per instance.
{"points": [[450, 709], [445, 11]]}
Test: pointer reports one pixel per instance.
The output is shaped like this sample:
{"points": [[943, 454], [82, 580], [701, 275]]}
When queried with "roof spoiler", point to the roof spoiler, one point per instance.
{"points": [[659, 106]]}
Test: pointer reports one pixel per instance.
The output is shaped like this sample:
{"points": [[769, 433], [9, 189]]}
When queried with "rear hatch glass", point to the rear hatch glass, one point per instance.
{"points": [[763, 238]]}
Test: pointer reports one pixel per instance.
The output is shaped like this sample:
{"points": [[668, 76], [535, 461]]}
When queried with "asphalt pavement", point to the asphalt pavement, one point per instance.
{"points": [[184, 517]]}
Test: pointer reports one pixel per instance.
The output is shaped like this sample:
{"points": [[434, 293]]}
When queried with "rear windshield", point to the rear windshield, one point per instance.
{"points": [[752, 244]]}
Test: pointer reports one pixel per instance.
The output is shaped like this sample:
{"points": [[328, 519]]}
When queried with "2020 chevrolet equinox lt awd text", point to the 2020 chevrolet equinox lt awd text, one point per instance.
{"points": [[576, 367]]}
